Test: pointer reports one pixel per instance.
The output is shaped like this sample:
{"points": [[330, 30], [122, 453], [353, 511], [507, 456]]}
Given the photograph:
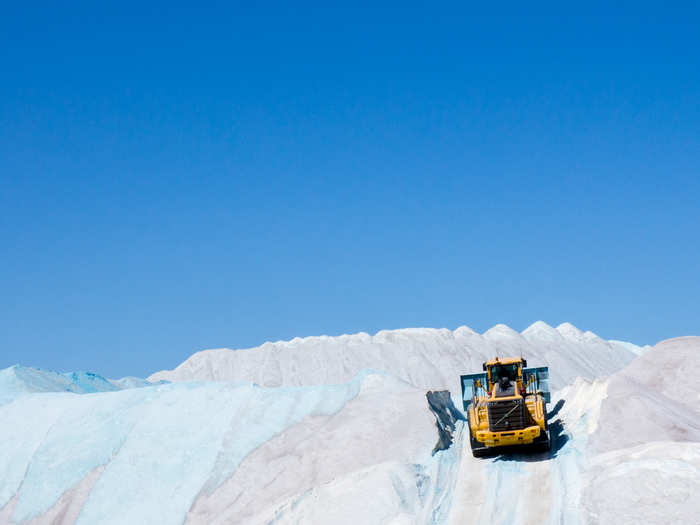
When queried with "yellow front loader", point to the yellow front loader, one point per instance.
{"points": [[506, 406]]}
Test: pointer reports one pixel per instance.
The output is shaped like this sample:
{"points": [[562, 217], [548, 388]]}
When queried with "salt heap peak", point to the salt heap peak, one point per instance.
{"points": [[501, 331], [541, 330], [569, 331]]}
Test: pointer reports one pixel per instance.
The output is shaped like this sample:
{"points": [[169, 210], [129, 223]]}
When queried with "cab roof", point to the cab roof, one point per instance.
{"points": [[503, 361]]}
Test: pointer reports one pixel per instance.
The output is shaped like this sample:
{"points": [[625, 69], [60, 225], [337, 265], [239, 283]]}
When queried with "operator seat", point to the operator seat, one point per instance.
{"points": [[505, 387]]}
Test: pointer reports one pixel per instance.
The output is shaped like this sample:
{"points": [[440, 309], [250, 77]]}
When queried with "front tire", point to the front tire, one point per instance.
{"points": [[543, 442], [478, 450]]}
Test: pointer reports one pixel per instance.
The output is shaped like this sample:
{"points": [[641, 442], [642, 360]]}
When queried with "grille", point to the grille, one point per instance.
{"points": [[506, 415]]}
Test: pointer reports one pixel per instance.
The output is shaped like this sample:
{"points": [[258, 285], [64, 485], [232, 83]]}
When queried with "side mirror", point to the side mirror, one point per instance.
{"points": [[524, 362], [483, 366]]}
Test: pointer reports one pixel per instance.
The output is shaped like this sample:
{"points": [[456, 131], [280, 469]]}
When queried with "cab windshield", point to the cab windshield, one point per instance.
{"points": [[500, 371]]}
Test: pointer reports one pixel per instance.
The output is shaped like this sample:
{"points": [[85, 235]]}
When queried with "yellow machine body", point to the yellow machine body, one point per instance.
{"points": [[514, 414]]}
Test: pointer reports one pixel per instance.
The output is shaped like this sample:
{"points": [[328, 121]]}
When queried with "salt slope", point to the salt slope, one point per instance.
{"points": [[361, 465], [645, 454], [656, 395], [655, 483], [167, 453], [425, 357]]}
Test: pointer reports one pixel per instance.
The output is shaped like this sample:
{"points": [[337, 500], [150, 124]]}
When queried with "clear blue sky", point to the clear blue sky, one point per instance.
{"points": [[174, 179]]}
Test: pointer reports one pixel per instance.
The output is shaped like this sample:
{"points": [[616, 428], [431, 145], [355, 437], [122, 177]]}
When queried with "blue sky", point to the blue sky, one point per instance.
{"points": [[177, 178]]}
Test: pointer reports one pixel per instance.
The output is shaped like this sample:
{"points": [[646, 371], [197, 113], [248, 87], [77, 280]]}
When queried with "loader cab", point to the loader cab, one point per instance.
{"points": [[504, 371]]}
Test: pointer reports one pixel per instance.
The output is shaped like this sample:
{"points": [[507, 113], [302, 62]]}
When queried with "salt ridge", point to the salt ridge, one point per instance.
{"points": [[427, 358]]}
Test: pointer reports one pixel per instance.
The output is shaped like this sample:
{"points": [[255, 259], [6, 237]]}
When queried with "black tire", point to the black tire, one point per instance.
{"points": [[542, 443]]}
